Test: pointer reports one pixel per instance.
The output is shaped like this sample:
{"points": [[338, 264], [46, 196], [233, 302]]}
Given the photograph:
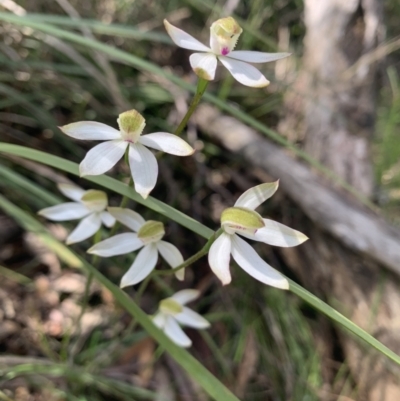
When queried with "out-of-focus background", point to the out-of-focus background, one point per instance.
{"points": [[327, 127]]}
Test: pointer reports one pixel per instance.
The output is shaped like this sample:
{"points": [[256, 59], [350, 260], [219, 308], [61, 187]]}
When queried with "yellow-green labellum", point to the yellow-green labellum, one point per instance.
{"points": [[151, 231], [95, 200], [241, 219], [170, 306], [131, 124]]}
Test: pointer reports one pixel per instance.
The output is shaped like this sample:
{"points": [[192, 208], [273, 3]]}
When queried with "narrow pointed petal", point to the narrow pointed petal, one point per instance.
{"points": [[219, 257], [127, 217], [65, 211], [71, 191], [91, 131], [183, 39], [85, 229], [172, 256], [167, 143], [107, 219], [175, 333], [119, 244], [256, 57], [185, 296], [253, 197], [249, 260], [144, 263], [204, 65], [159, 320], [191, 318], [144, 169], [102, 157], [277, 234], [244, 73]]}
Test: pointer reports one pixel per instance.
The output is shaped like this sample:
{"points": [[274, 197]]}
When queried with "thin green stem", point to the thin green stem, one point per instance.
{"points": [[123, 203], [201, 88], [203, 251]]}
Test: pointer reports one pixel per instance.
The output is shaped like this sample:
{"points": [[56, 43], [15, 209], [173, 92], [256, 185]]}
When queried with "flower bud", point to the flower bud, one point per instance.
{"points": [[95, 200], [242, 220], [151, 231], [225, 33], [170, 306], [131, 124]]}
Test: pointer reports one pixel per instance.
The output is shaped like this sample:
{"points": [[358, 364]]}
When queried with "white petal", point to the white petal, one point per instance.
{"points": [[277, 234], [192, 319], [71, 191], [249, 260], [107, 219], [144, 169], [127, 217], [253, 197], [102, 157], [144, 263], [168, 143], [183, 39], [185, 296], [244, 73], [219, 257], [91, 131], [204, 65], [175, 333], [159, 320], [85, 229], [65, 211], [172, 256], [119, 244], [256, 57]]}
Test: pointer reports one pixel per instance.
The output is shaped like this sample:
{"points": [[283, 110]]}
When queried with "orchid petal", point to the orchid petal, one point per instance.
{"points": [[204, 65], [244, 73], [175, 333], [183, 39], [144, 169], [172, 256], [191, 318], [159, 320], [277, 234], [102, 157], [119, 244], [127, 217], [65, 211], [253, 197], [71, 191], [249, 260], [91, 131], [256, 57], [183, 297], [107, 219], [168, 143], [85, 229], [219, 257], [144, 263]]}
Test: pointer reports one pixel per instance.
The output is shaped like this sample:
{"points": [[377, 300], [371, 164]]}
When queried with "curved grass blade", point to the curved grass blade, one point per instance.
{"points": [[192, 366], [196, 227], [141, 64]]}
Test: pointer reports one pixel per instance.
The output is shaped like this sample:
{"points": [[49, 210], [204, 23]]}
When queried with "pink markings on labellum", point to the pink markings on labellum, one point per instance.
{"points": [[224, 51]]}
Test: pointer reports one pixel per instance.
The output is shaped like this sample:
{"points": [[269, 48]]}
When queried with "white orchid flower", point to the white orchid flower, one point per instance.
{"points": [[142, 162], [173, 311], [242, 219], [89, 205], [147, 235], [224, 34]]}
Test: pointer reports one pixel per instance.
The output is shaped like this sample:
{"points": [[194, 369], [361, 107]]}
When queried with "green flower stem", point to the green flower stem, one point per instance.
{"points": [[123, 203], [203, 251], [201, 88]]}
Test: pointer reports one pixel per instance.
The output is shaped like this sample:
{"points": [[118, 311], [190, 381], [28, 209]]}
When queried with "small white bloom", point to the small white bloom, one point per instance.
{"points": [[142, 162], [147, 235], [242, 219], [224, 34], [89, 205], [173, 311]]}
